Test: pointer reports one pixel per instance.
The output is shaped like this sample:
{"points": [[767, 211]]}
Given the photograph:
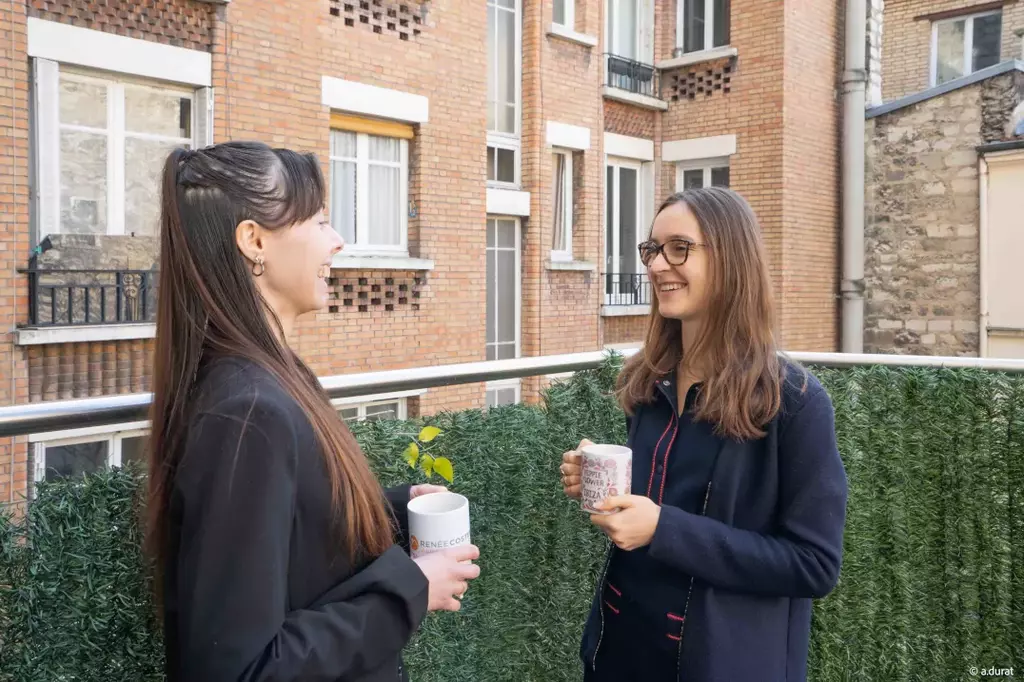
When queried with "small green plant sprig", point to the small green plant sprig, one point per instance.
{"points": [[417, 451]]}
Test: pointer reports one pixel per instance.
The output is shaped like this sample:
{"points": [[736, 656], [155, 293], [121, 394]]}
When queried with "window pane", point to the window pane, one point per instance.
{"points": [[559, 11], [349, 414], [385, 149], [384, 221], [506, 72], [949, 51], [343, 199], [83, 103], [492, 52], [628, 256], [83, 183], [720, 177], [506, 233], [626, 29], [693, 25], [133, 450], [143, 162], [693, 179], [609, 220], [987, 33], [492, 293], [65, 461], [722, 23], [558, 208], [383, 411], [506, 286], [506, 159], [343, 144], [148, 110]]}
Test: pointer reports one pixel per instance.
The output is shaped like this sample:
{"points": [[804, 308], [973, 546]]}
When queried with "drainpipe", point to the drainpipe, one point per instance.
{"points": [[982, 257], [855, 79]]}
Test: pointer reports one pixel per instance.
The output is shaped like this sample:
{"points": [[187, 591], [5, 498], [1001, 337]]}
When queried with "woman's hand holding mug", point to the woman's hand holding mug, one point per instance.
{"points": [[572, 471], [448, 576]]}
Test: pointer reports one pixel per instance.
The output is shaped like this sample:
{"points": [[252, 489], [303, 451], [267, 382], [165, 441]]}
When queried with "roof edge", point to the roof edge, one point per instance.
{"points": [[1005, 146], [945, 88]]}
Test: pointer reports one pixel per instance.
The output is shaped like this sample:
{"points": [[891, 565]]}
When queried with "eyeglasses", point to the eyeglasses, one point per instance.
{"points": [[675, 251]]}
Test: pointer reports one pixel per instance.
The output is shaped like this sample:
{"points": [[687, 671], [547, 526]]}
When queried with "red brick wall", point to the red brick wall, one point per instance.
{"points": [[629, 329], [64, 371], [185, 23], [624, 119]]}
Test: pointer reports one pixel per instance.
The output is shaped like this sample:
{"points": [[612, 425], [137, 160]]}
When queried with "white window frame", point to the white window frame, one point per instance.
{"points": [[504, 384], [362, 246], [968, 20], [114, 439], [709, 26], [615, 247], [115, 134], [704, 165], [512, 141], [570, 15], [518, 284], [563, 255], [401, 412]]}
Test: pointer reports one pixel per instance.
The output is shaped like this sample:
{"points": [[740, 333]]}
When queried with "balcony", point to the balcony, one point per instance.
{"points": [[626, 293], [633, 82], [71, 298]]}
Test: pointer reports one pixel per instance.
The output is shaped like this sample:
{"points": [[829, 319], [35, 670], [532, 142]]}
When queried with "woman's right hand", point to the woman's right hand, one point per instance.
{"points": [[572, 470], [449, 573]]}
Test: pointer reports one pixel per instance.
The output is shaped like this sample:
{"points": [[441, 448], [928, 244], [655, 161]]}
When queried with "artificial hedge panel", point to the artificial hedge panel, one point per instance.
{"points": [[932, 580]]}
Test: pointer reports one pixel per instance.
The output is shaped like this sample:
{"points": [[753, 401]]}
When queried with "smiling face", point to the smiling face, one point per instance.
{"points": [[680, 275]]}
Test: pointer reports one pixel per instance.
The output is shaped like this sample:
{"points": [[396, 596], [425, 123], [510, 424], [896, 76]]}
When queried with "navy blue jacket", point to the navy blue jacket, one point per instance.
{"points": [[740, 571]]}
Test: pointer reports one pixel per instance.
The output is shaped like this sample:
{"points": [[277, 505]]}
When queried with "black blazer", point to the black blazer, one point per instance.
{"points": [[256, 585]]}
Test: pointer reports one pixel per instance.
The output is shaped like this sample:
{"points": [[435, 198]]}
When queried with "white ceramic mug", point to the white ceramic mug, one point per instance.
{"points": [[607, 471], [437, 521]]}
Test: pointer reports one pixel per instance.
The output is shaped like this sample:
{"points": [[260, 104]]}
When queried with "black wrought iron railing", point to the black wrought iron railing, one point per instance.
{"points": [[623, 288], [632, 76], [67, 298]]}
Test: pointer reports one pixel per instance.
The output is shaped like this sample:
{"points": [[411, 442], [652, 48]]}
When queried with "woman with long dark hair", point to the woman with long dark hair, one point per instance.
{"points": [[735, 521], [274, 544]]}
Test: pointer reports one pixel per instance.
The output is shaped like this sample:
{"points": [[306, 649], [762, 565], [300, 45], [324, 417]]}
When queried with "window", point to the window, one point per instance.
{"points": [[114, 135], [504, 53], [502, 342], [565, 13], [622, 229], [711, 173], [503, 393], [374, 411], [624, 28], [73, 457], [369, 191], [561, 234], [964, 45], [702, 24]]}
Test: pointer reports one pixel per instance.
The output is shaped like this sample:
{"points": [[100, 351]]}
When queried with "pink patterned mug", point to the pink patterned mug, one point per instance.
{"points": [[607, 471]]}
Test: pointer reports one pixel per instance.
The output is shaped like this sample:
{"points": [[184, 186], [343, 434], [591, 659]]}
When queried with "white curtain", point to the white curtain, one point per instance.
{"points": [[343, 184], [384, 184]]}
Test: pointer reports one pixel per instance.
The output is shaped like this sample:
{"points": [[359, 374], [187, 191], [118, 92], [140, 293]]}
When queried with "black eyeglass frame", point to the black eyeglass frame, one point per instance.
{"points": [[651, 249]]}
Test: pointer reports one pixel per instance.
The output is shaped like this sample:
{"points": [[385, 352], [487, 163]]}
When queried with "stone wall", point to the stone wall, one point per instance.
{"points": [[921, 231]]}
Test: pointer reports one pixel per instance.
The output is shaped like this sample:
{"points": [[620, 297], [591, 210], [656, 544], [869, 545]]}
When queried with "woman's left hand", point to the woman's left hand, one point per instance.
{"points": [[425, 489], [633, 525]]}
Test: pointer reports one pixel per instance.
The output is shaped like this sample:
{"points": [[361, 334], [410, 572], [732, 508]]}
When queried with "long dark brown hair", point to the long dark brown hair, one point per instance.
{"points": [[210, 306], [740, 367]]}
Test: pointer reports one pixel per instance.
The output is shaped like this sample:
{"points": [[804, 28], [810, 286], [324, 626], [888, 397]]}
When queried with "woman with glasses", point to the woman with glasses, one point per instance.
{"points": [[735, 521]]}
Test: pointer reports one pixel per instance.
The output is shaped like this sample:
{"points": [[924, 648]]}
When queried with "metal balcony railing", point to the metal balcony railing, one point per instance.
{"points": [[108, 410], [627, 288], [631, 76], [67, 298]]}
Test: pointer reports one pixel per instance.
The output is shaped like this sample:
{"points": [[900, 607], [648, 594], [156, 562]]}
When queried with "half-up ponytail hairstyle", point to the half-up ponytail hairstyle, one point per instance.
{"points": [[209, 306]]}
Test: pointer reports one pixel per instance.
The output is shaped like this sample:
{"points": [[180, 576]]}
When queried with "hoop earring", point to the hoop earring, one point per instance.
{"points": [[258, 264]]}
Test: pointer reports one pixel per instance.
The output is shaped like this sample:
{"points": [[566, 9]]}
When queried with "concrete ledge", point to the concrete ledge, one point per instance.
{"points": [[37, 336], [509, 202], [559, 31], [698, 57], [576, 265], [357, 262], [642, 101], [625, 310]]}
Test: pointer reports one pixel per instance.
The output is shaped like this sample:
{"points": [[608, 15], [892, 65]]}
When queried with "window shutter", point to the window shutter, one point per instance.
{"points": [[204, 117], [46, 142]]}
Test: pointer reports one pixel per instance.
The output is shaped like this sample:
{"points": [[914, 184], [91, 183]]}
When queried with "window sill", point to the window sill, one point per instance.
{"points": [[397, 262], [698, 57], [37, 336], [559, 31], [643, 101], [571, 265], [625, 310]]}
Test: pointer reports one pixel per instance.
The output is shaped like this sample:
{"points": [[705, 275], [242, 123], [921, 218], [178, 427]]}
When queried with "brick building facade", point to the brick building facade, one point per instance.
{"points": [[516, 152]]}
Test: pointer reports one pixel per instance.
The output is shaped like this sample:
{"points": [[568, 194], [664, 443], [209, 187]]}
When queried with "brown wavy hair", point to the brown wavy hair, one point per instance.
{"points": [[209, 306], [740, 365]]}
